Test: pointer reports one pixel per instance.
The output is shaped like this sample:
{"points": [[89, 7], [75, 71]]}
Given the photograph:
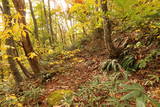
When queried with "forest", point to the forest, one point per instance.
{"points": [[79, 53]]}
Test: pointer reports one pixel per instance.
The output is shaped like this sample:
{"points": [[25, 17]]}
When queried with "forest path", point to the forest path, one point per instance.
{"points": [[75, 75]]}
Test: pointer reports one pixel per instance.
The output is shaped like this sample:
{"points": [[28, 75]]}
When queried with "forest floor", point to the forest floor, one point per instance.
{"points": [[73, 75]]}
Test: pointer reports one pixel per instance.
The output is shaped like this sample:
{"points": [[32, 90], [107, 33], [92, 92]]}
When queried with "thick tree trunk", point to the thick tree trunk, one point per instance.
{"points": [[113, 52], [10, 42], [34, 20], [27, 46]]}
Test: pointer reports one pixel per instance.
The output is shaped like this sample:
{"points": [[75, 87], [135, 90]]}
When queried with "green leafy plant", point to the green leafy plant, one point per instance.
{"points": [[143, 62], [135, 92], [110, 65], [115, 91], [129, 63], [31, 94], [12, 96], [152, 79]]}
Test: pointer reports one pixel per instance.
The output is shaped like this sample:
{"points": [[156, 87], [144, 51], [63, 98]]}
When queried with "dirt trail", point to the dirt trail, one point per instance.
{"points": [[77, 74]]}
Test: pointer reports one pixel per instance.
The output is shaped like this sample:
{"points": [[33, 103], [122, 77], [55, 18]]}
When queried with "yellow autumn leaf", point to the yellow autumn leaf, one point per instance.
{"points": [[5, 56], [152, 26], [19, 105], [17, 16], [18, 58], [24, 33], [32, 55], [50, 51], [158, 37], [138, 30], [15, 28], [12, 97]]}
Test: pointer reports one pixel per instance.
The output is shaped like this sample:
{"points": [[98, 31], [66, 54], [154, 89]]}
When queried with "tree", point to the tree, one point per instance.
{"points": [[1, 69], [23, 68], [50, 22], [25, 39], [10, 42], [34, 20], [46, 20], [107, 26]]}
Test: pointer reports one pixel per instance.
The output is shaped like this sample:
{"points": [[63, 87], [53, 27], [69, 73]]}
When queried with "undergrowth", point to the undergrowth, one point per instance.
{"points": [[112, 90], [18, 97]]}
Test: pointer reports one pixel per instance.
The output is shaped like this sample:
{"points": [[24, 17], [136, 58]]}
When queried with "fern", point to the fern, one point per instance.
{"points": [[129, 63], [110, 65]]}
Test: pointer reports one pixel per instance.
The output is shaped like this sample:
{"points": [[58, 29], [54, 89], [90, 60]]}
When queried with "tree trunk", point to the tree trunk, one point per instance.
{"points": [[27, 45], [50, 22], [42, 26], [1, 69], [113, 52], [23, 68], [10, 42], [61, 34], [45, 14], [46, 24], [73, 35], [25, 71], [34, 20]]}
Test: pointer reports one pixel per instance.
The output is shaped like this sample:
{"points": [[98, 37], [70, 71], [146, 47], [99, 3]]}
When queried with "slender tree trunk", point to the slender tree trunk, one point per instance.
{"points": [[1, 69], [73, 35], [43, 26], [27, 45], [23, 68], [50, 22], [113, 52], [45, 14], [84, 31], [46, 24], [10, 42], [34, 20], [25, 71], [61, 33]]}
